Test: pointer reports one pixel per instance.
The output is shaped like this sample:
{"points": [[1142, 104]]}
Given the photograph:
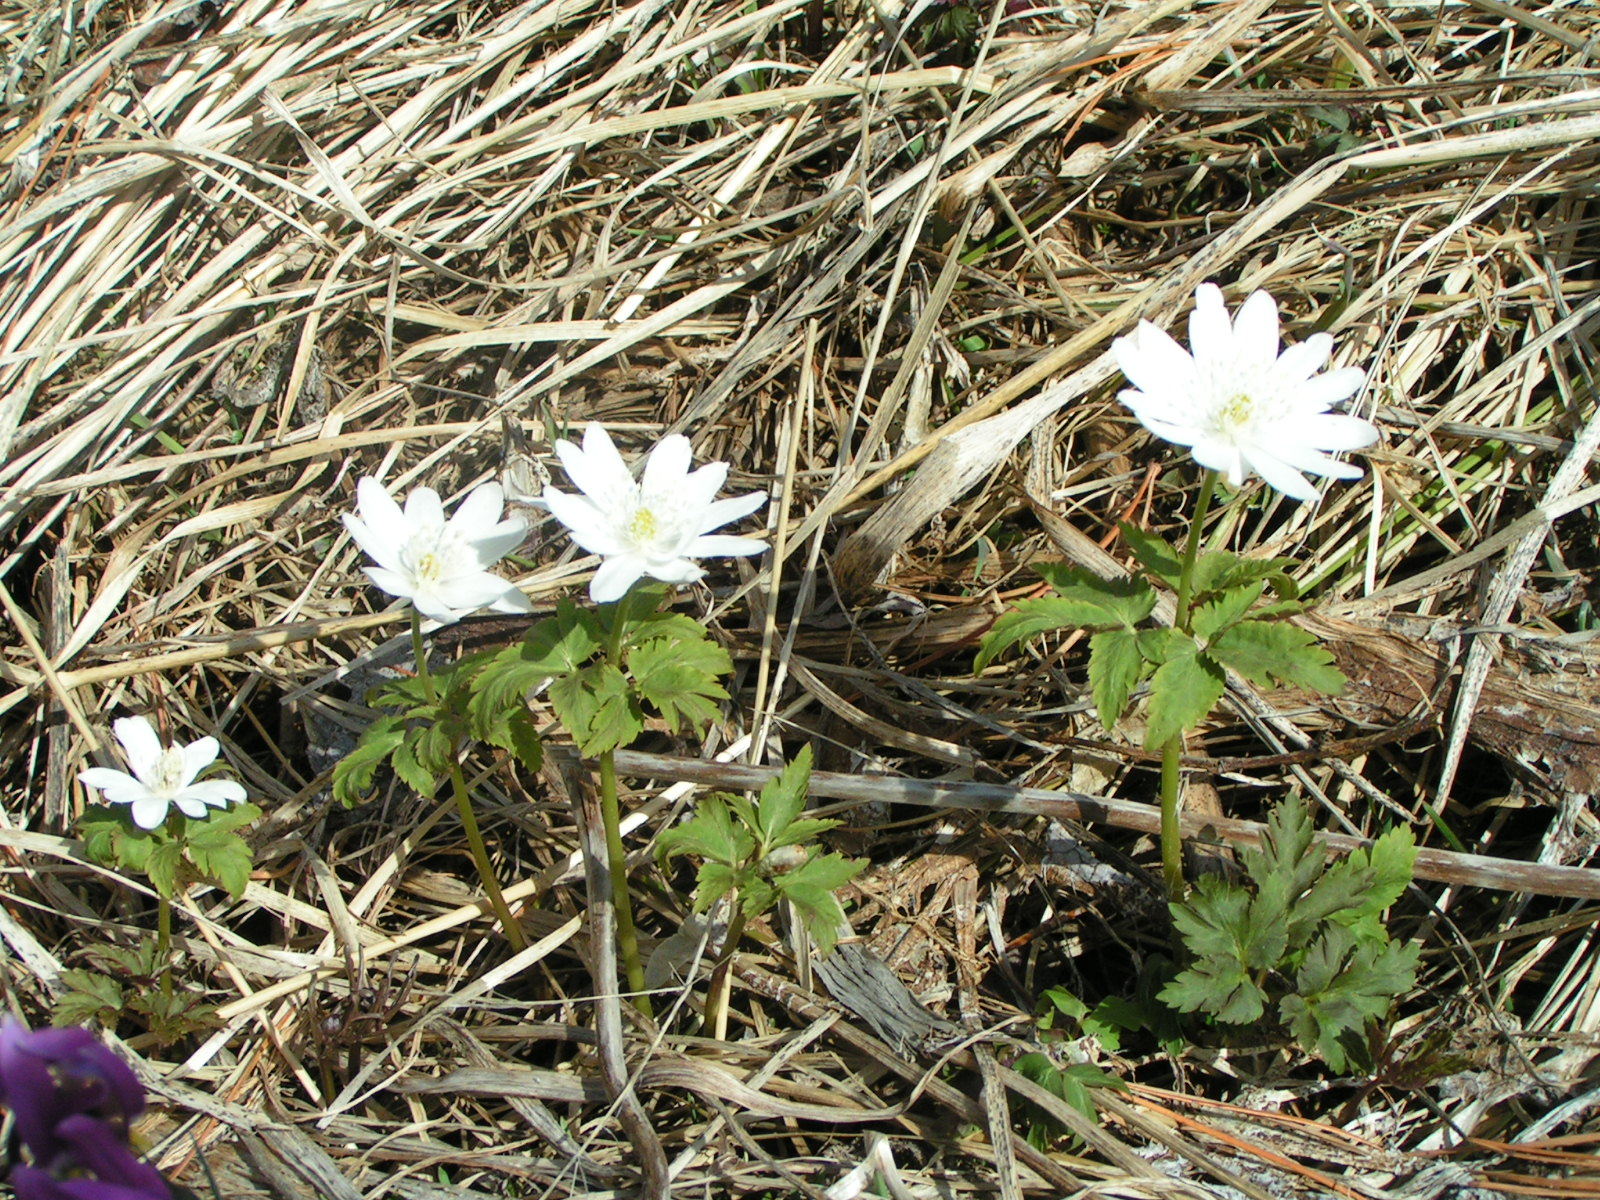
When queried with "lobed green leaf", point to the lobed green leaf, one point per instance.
{"points": [[1183, 691]]}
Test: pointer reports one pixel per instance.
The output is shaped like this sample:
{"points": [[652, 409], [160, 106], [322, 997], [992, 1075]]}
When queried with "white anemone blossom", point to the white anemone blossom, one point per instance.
{"points": [[1239, 404], [441, 566], [654, 526], [163, 776]]}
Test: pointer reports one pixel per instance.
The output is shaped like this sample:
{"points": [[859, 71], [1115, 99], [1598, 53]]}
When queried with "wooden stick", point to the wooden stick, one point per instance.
{"points": [[1444, 866]]}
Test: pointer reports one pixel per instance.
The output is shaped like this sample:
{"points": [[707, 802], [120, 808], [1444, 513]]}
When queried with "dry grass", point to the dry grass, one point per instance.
{"points": [[248, 258]]}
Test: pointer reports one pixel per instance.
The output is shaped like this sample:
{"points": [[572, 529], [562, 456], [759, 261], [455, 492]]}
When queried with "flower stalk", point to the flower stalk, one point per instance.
{"points": [[1172, 751], [463, 799]]}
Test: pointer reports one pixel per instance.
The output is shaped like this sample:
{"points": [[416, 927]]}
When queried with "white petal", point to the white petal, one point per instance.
{"points": [[668, 465], [149, 811], [197, 756], [468, 593], [494, 544], [118, 787], [1303, 360], [219, 793], [394, 583], [1255, 331], [701, 487], [190, 805], [429, 605], [724, 546], [1210, 330], [1335, 431], [424, 509], [381, 516], [1327, 390], [511, 601], [597, 470], [479, 511], [1154, 418], [1154, 363], [1282, 476], [674, 570], [589, 526], [721, 512], [139, 742], [615, 576], [1220, 455]]}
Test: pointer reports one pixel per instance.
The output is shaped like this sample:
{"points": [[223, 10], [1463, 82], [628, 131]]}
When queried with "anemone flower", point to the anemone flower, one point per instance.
{"points": [[441, 566], [163, 776], [1237, 403], [655, 526]]}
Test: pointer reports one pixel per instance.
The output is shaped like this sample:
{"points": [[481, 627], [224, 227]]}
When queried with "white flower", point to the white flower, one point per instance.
{"points": [[653, 527], [1237, 402], [162, 776], [441, 566]]}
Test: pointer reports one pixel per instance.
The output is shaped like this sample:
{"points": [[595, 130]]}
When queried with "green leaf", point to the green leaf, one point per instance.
{"points": [[1223, 920], [1262, 651], [1057, 1001], [1341, 986], [224, 859], [1224, 610], [597, 708], [1182, 692], [132, 847], [714, 881], [1115, 668], [561, 644], [353, 774], [756, 896], [416, 775], [1289, 852], [1124, 601], [88, 997], [515, 732], [1154, 554], [99, 827], [1111, 1018], [679, 676], [710, 834], [1084, 601], [784, 798], [164, 868], [810, 889], [1219, 987], [1157, 646], [1221, 570]]}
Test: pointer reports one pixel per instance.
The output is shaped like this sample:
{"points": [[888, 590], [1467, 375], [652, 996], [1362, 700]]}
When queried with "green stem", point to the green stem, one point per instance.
{"points": [[611, 814], [463, 799], [722, 976], [617, 868], [1191, 551], [164, 939], [1172, 751]]}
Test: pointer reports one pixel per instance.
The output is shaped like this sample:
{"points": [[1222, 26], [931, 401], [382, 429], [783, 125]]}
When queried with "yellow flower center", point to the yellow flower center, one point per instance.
{"points": [[643, 527], [1237, 412], [429, 568], [168, 773]]}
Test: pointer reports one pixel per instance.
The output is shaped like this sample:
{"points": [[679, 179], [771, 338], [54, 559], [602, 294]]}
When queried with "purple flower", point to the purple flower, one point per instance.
{"points": [[93, 1146], [72, 1099], [48, 1075]]}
